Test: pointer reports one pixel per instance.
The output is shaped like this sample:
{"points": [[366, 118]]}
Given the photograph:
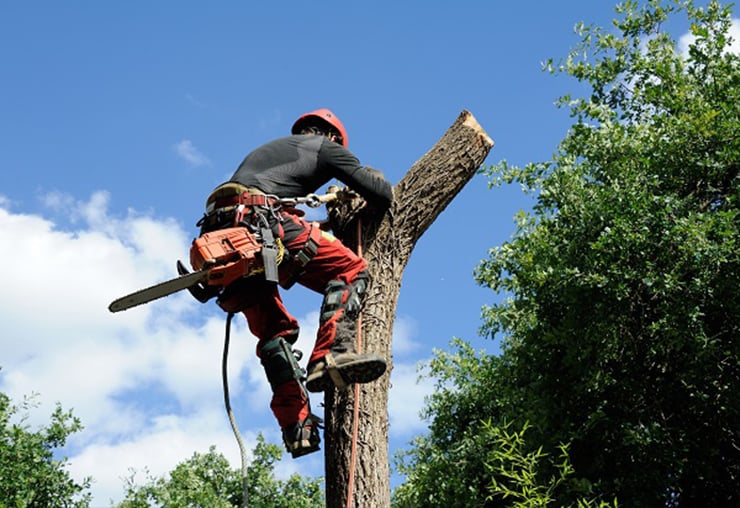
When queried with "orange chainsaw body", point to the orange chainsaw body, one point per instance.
{"points": [[228, 254]]}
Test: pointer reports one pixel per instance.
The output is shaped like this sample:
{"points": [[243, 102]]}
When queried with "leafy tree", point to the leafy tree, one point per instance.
{"points": [[621, 326], [468, 461], [30, 476], [207, 481]]}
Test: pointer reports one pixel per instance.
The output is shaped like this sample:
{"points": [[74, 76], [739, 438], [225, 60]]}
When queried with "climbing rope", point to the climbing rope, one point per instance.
{"points": [[230, 413], [356, 408]]}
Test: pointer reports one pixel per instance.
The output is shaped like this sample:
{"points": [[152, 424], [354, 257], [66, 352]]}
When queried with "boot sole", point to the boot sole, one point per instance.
{"points": [[301, 448], [358, 371]]}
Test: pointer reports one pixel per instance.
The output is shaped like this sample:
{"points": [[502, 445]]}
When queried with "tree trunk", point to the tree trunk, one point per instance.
{"points": [[423, 193]]}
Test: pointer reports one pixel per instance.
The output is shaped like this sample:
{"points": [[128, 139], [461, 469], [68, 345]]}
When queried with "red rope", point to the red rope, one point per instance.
{"points": [[356, 410]]}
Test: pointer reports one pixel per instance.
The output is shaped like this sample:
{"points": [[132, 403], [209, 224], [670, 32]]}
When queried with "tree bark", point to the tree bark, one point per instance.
{"points": [[388, 240]]}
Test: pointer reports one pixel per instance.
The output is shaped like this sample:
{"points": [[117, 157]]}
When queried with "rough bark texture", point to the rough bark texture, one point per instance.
{"points": [[387, 241]]}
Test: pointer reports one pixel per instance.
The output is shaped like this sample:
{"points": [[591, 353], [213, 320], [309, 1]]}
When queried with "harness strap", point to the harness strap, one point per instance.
{"points": [[234, 194], [305, 255]]}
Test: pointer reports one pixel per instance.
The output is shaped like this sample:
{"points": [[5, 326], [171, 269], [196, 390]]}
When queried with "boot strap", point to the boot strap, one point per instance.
{"points": [[334, 374]]}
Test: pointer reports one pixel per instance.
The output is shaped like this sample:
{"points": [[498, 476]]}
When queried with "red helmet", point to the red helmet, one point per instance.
{"points": [[324, 116]]}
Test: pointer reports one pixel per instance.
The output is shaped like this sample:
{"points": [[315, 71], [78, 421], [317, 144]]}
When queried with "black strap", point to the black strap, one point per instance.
{"points": [[269, 254], [270, 248], [305, 255]]}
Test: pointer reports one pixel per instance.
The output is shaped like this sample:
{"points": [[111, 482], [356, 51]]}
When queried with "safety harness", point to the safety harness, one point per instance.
{"points": [[236, 205]]}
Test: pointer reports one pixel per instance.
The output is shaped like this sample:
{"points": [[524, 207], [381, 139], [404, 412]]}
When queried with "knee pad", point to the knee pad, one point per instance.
{"points": [[280, 363]]}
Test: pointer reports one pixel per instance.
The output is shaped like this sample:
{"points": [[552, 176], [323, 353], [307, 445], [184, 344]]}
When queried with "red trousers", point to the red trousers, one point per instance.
{"points": [[267, 317]]}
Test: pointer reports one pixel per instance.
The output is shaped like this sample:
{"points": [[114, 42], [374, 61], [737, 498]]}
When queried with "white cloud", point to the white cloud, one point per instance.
{"points": [[189, 153], [406, 399], [404, 329], [145, 383], [735, 34], [58, 201], [688, 38], [156, 450]]}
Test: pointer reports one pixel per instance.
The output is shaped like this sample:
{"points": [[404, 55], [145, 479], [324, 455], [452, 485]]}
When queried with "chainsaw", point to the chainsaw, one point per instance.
{"points": [[218, 258]]}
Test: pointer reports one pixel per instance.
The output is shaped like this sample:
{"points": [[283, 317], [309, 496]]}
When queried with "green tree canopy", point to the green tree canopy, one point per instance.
{"points": [[30, 476], [208, 481], [620, 327]]}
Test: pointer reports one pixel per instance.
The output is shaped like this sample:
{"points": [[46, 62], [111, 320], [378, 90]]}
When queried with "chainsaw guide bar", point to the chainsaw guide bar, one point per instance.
{"points": [[157, 291]]}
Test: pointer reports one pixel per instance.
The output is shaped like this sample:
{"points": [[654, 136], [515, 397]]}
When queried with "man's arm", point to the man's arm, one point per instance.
{"points": [[345, 167]]}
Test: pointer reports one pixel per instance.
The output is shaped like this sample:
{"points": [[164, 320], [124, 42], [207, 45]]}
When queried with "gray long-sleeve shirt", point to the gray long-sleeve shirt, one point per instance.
{"points": [[298, 165]]}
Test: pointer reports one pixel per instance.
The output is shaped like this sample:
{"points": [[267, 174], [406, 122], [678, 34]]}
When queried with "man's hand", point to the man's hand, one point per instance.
{"points": [[342, 193], [346, 194]]}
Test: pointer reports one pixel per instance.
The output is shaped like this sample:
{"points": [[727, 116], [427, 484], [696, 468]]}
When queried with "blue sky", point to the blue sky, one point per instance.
{"points": [[118, 118]]}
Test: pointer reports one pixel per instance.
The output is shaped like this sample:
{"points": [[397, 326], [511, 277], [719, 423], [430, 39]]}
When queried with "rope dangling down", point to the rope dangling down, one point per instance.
{"points": [[230, 413], [356, 408]]}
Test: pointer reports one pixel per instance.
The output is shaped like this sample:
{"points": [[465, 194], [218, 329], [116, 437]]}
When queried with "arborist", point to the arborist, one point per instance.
{"points": [[295, 250]]}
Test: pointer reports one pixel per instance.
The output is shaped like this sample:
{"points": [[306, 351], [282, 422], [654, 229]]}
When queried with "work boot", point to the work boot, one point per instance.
{"points": [[343, 369], [302, 438]]}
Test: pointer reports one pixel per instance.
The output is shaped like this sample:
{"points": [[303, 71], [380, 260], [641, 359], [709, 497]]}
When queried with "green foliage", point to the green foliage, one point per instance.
{"points": [[447, 467], [472, 457], [207, 481], [620, 331], [515, 472], [30, 476]]}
